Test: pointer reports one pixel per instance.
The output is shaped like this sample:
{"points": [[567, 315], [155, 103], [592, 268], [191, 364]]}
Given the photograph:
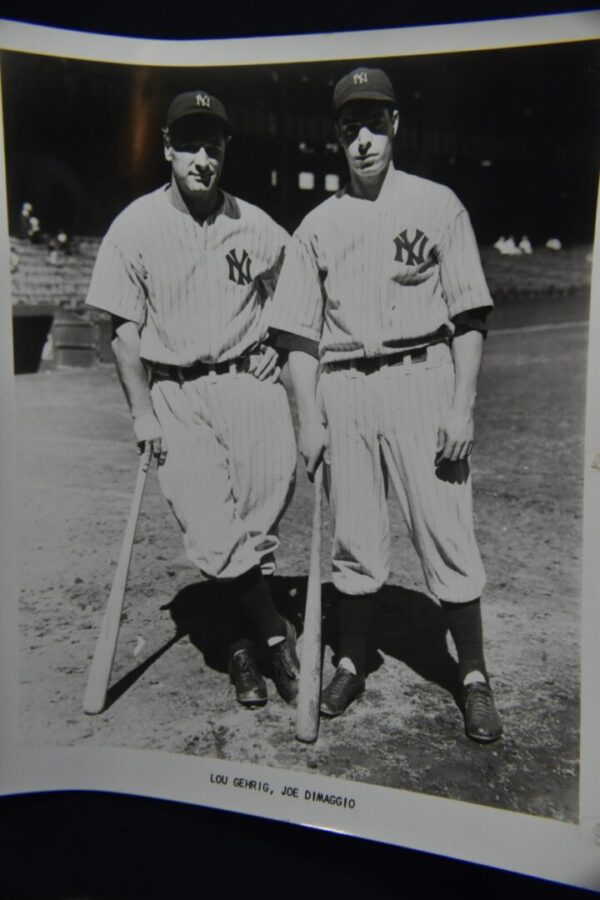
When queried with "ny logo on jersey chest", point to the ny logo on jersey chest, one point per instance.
{"points": [[239, 268], [409, 251]]}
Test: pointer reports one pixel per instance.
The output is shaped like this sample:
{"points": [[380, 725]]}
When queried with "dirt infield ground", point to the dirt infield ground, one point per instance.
{"points": [[170, 691]]}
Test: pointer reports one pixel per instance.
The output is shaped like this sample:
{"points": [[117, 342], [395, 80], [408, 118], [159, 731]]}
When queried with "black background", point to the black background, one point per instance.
{"points": [[91, 846], [83, 139]]}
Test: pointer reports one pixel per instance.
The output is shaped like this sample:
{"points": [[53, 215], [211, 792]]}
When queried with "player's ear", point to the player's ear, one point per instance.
{"points": [[167, 144], [394, 116]]}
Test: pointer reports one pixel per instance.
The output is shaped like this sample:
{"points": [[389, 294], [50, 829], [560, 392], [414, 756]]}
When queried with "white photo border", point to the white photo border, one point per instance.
{"points": [[540, 847]]}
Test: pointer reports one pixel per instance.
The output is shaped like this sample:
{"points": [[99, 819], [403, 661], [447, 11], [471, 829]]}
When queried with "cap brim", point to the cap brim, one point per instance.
{"points": [[363, 95], [192, 113]]}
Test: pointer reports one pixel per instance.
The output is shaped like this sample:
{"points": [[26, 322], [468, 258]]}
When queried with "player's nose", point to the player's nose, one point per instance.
{"points": [[201, 158], [364, 137]]}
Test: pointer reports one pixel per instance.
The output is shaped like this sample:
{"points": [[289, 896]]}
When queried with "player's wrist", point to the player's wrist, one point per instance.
{"points": [[311, 423], [145, 426], [464, 403]]}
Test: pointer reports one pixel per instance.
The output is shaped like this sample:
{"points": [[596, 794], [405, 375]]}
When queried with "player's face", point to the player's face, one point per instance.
{"points": [[366, 132], [196, 150]]}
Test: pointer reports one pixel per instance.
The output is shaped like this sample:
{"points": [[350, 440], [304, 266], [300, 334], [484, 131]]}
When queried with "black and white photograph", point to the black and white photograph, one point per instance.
{"points": [[301, 363]]}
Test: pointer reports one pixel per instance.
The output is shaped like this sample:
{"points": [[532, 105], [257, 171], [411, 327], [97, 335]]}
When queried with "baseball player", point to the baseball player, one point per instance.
{"points": [[382, 304], [187, 272]]}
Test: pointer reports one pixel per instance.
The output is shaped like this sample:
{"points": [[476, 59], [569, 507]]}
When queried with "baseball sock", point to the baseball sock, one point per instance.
{"points": [[258, 608], [464, 623], [241, 644], [355, 615]]}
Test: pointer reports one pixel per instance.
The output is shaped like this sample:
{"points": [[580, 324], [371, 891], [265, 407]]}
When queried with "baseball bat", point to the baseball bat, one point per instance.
{"points": [[94, 697], [309, 689]]}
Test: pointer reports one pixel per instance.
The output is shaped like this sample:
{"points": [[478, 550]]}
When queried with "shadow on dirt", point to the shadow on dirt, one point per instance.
{"points": [[408, 625], [123, 684], [412, 628], [207, 612]]}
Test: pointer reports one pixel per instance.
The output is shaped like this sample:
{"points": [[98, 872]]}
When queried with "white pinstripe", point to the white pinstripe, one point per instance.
{"points": [[336, 284], [395, 412], [338, 287], [231, 455], [159, 267], [229, 470]]}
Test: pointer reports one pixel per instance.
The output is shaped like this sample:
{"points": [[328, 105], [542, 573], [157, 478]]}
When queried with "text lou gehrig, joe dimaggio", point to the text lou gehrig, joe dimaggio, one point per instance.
{"points": [[290, 791]]}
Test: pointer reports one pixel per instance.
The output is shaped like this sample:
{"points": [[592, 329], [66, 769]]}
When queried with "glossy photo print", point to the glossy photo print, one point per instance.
{"points": [[303, 446]]}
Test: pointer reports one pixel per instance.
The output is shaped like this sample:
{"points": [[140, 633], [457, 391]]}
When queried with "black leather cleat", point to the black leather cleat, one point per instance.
{"points": [[343, 688], [482, 722], [286, 665], [250, 687]]}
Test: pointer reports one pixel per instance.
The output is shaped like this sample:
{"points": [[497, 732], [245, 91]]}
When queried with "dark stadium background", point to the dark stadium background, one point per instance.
{"points": [[514, 132]]}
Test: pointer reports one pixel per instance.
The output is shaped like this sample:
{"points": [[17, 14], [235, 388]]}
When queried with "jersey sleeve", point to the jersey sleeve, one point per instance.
{"points": [[471, 320], [297, 306], [269, 277], [117, 284], [461, 273]]}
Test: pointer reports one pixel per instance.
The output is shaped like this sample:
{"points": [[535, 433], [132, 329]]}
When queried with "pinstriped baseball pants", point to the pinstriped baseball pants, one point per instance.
{"points": [[383, 427], [229, 471]]}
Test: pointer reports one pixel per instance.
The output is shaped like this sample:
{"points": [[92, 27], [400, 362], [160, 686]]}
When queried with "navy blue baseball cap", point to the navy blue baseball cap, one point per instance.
{"points": [[197, 103], [363, 84]]}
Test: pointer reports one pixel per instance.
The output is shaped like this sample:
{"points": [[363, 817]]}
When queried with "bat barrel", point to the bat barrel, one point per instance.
{"points": [[94, 698], [309, 690]]}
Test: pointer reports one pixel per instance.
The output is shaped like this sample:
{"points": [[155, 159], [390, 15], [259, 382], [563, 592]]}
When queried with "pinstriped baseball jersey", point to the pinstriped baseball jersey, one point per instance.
{"points": [[198, 294], [196, 290], [340, 286], [337, 283]]}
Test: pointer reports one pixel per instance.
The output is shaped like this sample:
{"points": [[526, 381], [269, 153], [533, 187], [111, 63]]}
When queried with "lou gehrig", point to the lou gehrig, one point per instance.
{"points": [[382, 302], [187, 272]]}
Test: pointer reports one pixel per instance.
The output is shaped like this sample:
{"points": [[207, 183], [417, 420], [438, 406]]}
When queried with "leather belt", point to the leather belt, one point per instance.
{"points": [[375, 363], [197, 370]]}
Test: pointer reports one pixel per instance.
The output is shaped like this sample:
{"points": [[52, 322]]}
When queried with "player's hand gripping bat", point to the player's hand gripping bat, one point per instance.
{"points": [[309, 689], [94, 697]]}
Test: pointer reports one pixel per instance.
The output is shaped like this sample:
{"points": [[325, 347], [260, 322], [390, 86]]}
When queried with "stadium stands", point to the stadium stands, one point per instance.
{"points": [[44, 295]]}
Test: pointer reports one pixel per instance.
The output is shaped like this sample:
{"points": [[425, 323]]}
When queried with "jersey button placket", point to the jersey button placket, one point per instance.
{"points": [[208, 284], [378, 383]]}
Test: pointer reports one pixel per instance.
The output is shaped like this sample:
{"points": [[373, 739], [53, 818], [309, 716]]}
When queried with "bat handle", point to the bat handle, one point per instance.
{"points": [[146, 457]]}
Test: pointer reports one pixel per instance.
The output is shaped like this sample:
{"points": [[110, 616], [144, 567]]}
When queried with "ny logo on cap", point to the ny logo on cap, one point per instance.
{"points": [[360, 78], [203, 99]]}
